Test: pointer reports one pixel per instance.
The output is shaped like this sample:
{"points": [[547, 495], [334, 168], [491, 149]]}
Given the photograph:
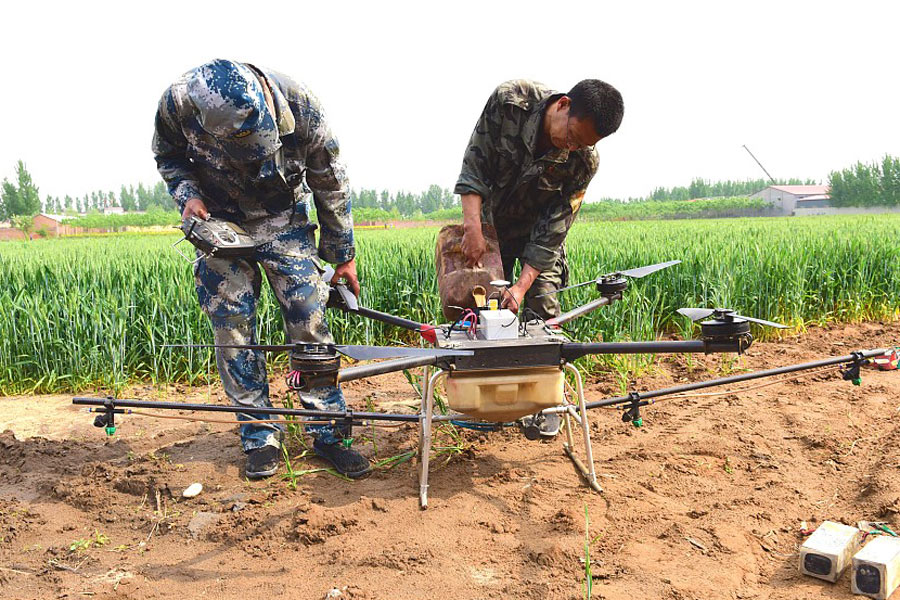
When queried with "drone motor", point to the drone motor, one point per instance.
{"points": [[611, 285], [725, 327], [312, 366]]}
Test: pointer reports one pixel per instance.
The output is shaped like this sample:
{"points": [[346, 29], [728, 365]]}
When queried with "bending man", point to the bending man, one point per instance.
{"points": [[525, 170], [240, 143]]}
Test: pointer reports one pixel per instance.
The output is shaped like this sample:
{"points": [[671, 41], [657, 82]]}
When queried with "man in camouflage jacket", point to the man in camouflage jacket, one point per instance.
{"points": [[525, 170], [239, 143]]}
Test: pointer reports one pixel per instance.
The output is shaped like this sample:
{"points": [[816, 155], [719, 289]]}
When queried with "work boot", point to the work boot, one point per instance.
{"points": [[540, 426], [345, 460], [262, 462]]}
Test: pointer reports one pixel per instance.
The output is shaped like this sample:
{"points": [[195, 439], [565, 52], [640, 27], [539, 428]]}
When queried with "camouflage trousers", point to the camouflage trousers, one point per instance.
{"points": [[228, 290], [552, 279]]}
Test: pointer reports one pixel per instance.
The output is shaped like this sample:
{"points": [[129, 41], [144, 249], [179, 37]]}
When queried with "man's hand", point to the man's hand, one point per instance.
{"points": [[512, 298], [195, 208], [473, 246], [347, 272]]}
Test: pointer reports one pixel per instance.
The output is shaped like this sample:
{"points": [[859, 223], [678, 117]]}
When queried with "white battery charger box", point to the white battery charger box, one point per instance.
{"points": [[876, 568], [829, 550], [500, 324]]}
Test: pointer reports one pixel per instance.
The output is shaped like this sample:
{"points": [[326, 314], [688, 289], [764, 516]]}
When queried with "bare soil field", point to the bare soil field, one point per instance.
{"points": [[705, 501]]}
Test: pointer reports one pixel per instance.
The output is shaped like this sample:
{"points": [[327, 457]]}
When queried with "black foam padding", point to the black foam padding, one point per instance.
{"points": [[868, 579], [818, 564]]}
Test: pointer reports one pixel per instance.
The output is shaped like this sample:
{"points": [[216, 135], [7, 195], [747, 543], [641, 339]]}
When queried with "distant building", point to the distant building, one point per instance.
{"points": [[52, 224], [790, 198], [44, 223]]}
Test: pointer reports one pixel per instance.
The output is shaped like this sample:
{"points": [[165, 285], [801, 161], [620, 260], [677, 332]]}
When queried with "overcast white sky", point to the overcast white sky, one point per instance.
{"points": [[809, 86]]}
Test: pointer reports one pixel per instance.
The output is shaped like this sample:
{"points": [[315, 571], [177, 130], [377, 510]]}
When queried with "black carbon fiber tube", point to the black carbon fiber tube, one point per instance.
{"points": [[387, 366], [376, 315], [575, 350], [297, 412], [641, 396]]}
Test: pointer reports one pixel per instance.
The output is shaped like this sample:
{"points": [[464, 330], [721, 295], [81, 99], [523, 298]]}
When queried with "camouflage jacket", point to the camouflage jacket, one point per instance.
{"points": [[193, 163], [531, 200]]}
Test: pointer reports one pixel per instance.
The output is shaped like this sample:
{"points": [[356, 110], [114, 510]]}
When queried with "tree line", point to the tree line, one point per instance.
{"points": [[872, 184], [701, 188], [863, 184], [129, 199], [22, 198], [433, 199]]}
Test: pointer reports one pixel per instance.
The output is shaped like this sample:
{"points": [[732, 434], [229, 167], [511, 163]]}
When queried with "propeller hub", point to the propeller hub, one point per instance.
{"points": [[724, 329], [609, 285], [313, 366]]}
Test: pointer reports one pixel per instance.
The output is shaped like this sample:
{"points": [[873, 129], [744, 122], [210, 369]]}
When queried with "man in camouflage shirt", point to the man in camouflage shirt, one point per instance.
{"points": [[526, 169], [239, 143]]}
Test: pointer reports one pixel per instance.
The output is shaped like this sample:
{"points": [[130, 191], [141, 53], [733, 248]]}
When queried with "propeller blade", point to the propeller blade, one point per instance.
{"points": [[375, 352], [636, 272], [354, 352], [263, 347], [643, 271], [566, 288], [695, 314], [762, 322]]}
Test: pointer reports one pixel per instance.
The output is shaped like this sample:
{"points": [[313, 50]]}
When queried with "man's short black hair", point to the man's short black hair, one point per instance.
{"points": [[600, 101]]}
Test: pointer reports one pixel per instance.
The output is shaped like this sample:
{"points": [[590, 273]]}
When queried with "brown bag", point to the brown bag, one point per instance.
{"points": [[456, 281]]}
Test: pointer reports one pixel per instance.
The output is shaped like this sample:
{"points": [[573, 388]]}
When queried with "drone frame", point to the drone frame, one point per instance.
{"points": [[728, 333]]}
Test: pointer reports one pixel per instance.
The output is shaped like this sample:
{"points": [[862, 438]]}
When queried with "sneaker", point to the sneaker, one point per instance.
{"points": [[262, 462], [346, 461], [540, 425]]}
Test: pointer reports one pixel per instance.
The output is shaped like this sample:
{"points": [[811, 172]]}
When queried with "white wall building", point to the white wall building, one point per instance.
{"points": [[790, 198]]}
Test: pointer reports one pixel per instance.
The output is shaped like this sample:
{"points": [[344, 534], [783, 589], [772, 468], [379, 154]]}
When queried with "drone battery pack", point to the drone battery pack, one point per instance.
{"points": [[500, 324], [876, 568], [828, 551]]}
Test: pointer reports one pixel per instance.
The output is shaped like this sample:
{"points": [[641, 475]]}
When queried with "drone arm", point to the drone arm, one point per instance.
{"points": [[376, 315], [572, 351], [342, 298], [645, 398], [579, 311], [387, 366]]}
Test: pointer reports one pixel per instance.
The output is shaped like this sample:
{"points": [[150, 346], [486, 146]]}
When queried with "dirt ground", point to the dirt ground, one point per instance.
{"points": [[705, 501]]}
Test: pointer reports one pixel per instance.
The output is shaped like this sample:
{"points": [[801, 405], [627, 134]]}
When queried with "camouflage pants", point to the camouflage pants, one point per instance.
{"points": [[228, 290], [552, 279]]}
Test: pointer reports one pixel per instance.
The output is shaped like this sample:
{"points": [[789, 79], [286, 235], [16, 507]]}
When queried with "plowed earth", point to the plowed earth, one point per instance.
{"points": [[705, 501]]}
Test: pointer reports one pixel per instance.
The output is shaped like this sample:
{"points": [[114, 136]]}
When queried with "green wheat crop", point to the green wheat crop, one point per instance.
{"points": [[96, 311]]}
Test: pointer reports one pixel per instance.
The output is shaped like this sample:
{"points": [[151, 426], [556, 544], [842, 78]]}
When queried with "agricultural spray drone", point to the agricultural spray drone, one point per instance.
{"points": [[497, 368]]}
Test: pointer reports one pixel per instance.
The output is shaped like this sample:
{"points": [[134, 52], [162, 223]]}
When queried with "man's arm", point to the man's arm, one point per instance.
{"points": [[476, 176], [327, 178], [473, 244], [170, 151]]}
